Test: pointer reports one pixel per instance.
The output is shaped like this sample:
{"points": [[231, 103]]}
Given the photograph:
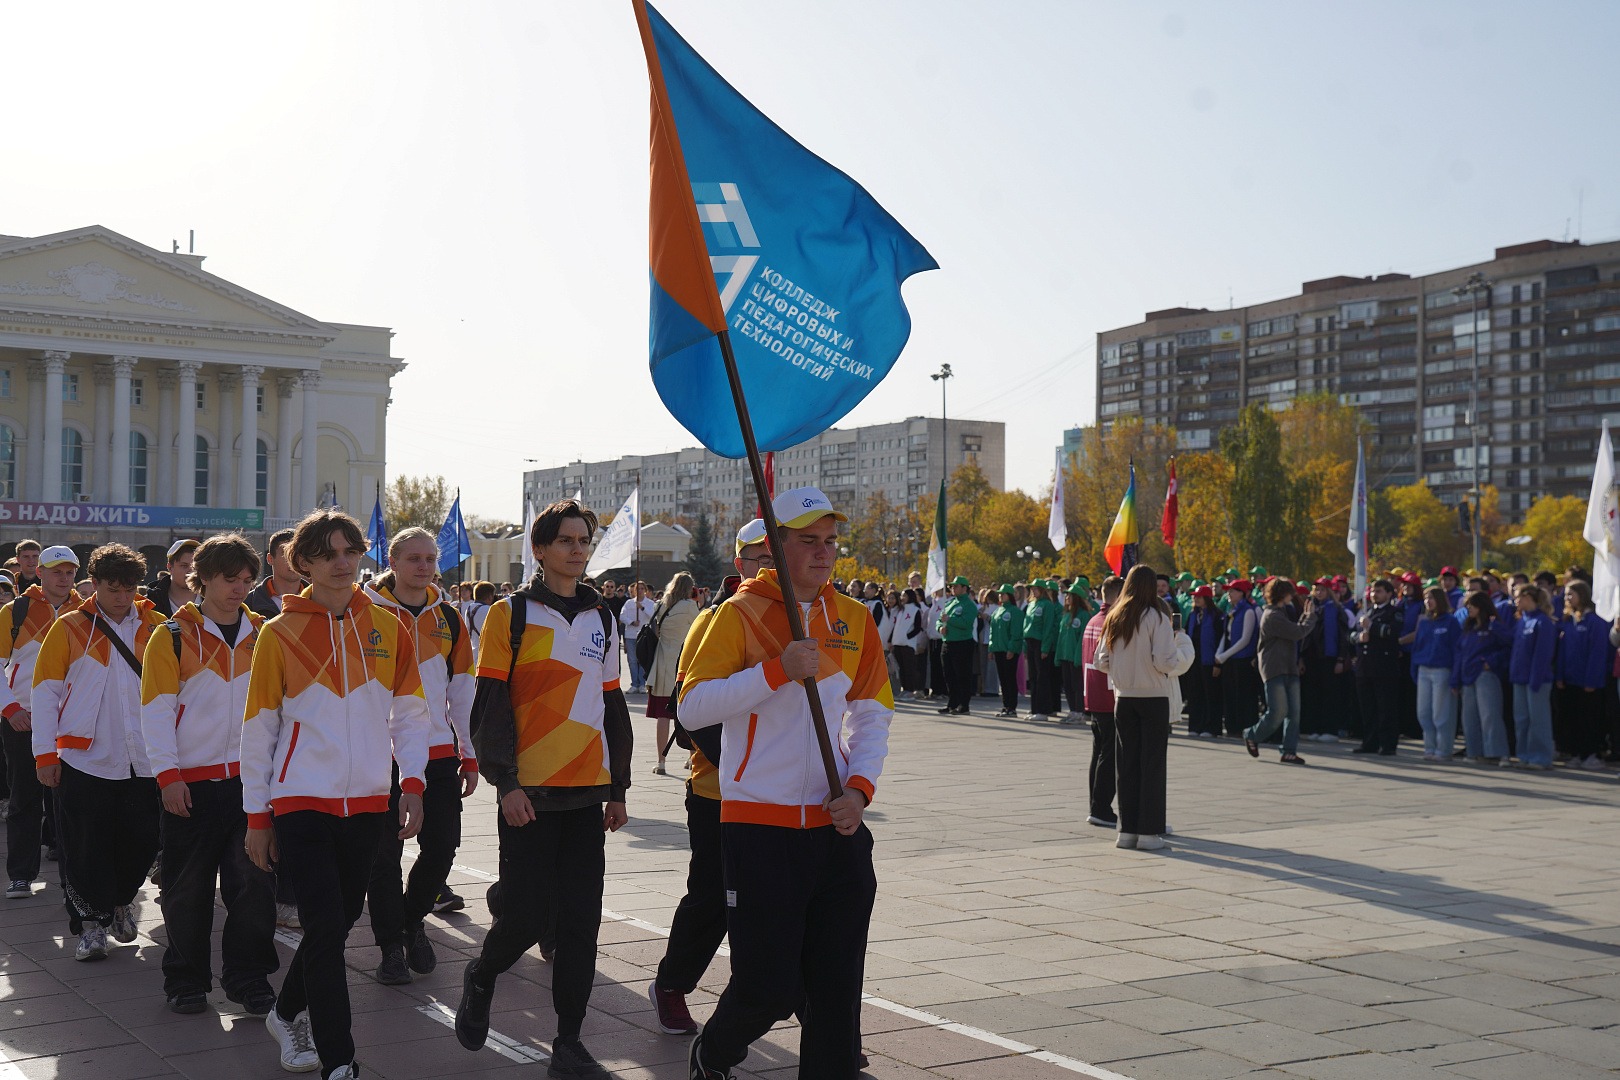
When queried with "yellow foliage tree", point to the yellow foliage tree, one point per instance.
{"points": [[1556, 524], [1427, 538], [1204, 544], [1319, 443], [1094, 483]]}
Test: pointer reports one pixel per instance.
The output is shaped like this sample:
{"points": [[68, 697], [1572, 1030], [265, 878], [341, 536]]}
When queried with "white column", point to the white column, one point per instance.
{"points": [[51, 463], [102, 376], [186, 449], [248, 470], [118, 489], [225, 470], [36, 431], [281, 504], [164, 451], [310, 381]]}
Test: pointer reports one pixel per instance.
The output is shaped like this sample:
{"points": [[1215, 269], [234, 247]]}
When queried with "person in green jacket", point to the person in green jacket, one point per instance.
{"points": [[1006, 638], [1040, 645], [957, 622], [1076, 614]]}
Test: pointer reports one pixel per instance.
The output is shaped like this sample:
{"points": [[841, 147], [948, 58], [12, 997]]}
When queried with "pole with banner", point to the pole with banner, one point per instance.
{"points": [[812, 268], [1356, 538]]}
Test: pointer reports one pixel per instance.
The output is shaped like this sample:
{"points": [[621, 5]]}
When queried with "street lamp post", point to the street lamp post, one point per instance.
{"points": [[941, 376], [1476, 284]]}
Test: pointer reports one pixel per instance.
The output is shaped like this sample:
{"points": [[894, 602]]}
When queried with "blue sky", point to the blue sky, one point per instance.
{"points": [[478, 181]]}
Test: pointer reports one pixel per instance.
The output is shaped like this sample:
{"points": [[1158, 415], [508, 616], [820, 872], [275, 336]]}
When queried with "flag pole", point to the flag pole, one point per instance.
{"points": [[778, 556]]}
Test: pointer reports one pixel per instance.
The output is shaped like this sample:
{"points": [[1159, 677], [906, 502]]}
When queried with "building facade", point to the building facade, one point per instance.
{"points": [[143, 398], [1408, 352], [903, 461]]}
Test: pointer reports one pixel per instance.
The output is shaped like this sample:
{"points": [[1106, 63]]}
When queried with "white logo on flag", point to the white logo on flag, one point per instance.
{"points": [[729, 211]]}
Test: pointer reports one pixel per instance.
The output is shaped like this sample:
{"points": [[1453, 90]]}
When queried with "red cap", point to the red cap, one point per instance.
{"points": [[1241, 585], [1205, 591], [1452, 570], [1411, 579], [1324, 582], [1340, 579]]}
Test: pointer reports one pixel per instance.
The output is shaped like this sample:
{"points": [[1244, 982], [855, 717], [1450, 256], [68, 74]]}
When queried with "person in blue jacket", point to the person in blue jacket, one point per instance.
{"points": [[1481, 652], [1434, 649], [1206, 625], [1582, 671], [1235, 663], [1535, 641], [1412, 609], [1450, 581]]}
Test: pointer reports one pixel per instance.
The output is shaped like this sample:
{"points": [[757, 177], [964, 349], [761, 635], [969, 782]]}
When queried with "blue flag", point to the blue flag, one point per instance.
{"points": [[377, 533], [755, 235], [453, 543]]}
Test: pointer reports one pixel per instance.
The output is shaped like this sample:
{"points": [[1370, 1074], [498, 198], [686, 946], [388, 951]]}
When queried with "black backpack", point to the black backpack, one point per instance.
{"points": [[520, 618], [647, 639]]}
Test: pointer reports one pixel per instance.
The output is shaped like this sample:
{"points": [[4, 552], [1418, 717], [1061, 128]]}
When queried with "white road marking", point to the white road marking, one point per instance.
{"points": [[501, 1044]]}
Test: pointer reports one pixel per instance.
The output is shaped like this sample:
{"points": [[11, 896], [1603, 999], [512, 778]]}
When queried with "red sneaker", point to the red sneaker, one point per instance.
{"points": [[673, 1016]]}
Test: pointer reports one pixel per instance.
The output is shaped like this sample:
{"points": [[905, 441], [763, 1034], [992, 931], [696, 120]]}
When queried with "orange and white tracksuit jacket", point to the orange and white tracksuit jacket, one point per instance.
{"points": [[449, 696], [17, 688], [192, 705], [87, 699], [332, 702], [773, 773]]}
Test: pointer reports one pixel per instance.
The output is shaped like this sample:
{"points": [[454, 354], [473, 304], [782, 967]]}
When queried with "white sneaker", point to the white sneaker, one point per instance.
{"points": [[1127, 840], [1095, 820], [92, 942], [1169, 831], [1327, 738], [297, 1046], [1592, 763], [123, 927], [346, 1072], [1149, 843], [287, 915]]}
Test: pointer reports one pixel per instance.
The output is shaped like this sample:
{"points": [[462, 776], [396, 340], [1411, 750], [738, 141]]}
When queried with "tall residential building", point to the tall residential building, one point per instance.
{"points": [[1407, 352], [903, 461]]}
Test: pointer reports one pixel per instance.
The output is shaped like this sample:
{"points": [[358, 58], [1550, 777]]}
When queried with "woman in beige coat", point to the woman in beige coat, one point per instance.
{"points": [[673, 618]]}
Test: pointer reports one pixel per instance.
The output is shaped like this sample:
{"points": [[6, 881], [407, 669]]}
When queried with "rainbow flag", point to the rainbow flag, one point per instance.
{"points": [[1120, 551]]}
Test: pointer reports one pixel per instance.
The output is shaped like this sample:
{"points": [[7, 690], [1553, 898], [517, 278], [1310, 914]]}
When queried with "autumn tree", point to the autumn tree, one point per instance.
{"points": [[1270, 506], [1319, 436], [417, 501], [1555, 525], [1095, 479], [1204, 542], [1425, 537]]}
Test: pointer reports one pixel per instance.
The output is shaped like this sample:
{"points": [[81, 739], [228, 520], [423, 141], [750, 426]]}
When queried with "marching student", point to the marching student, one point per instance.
{"points": [[282, 580], [1433, 656], [1584, 661], [699, 924], [1038, 614], [1235, 661], [1530, 669], [957, 622], [88, 746], [334, 694], [1482, 652], [1071, 670], [1206, 625], [170, 592], [553, 736], [23, 625], [29, 558], [798, 863], [194, 683], [1324, 652], [1006, 639], [444, 657], [1100, 708]]}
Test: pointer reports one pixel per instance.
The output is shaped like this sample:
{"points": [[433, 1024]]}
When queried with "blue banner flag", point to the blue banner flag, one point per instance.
{"points": [[753, 234], [454, 546], [377, 533]]}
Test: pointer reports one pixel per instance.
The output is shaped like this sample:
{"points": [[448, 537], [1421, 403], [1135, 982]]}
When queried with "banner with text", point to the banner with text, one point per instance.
{"points": [[131, 516]]}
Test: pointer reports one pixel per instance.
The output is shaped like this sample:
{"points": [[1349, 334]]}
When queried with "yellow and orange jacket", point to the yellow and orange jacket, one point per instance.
{"points": [[703, 778], [773, 773], [17, 689], [192, 704], [70, 677], [332, 702], [440, 649]]}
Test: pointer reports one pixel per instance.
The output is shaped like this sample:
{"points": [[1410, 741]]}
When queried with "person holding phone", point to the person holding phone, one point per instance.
{"points": [[1281, 631]]}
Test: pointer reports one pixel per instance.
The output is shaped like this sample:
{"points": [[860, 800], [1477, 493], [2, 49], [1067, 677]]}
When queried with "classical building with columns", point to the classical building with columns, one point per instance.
{"points": [[143, 399]]}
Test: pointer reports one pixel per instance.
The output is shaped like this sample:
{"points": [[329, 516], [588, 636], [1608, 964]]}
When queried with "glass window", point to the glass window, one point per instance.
{"points": [[72, 465], [261, 473], [135, 392], [259, 398], [70, 387], [5, 382], [137, 467], [199, 484], [202, 396], [8, 462]]}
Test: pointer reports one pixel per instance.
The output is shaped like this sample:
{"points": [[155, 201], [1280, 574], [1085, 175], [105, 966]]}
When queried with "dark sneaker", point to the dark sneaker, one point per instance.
{"points": [[447, 901], [419, 953], [696, 1070], [256, 1000], [570, 1059], [188, 1001], [53, 853], [1292, 759], [548, 951], [393, 971], [1252, 747], [673, 1016], [19, 890], [472, 1015]]}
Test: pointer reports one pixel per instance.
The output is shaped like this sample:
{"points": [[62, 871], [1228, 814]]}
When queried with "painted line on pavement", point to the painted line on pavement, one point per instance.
{"points": [[503, 1045]]}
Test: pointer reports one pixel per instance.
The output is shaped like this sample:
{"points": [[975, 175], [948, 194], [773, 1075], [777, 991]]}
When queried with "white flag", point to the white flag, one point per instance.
{"points": [[1356, 539], [618, 545], [528, 548], [1602, 531], [1057, 528]]}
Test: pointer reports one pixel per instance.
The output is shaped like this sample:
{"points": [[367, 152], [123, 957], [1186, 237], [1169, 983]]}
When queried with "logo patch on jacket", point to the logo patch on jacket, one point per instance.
{"points": [[374, 640]]}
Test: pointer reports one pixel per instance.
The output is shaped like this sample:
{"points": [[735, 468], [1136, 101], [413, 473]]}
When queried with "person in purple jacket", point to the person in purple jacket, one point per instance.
{"points": [[1434, 648], [1582, 670], [1482, 652], [1535, 640]]}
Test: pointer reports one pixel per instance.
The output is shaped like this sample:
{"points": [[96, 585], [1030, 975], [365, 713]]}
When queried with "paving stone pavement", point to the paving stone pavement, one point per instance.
{"points": [[1353, 919]]}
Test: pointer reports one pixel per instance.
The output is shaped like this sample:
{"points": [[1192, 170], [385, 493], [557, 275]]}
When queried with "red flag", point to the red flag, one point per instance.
{"points": [[1167, 527], [770, 483]]}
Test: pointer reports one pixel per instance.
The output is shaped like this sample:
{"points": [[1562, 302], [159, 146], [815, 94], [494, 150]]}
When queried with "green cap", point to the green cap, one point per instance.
{"points": [[960, 580], [1082, 579], [1005, 588], [1258, 571], [1184, 576], [1230, 571], [1077, 589]]}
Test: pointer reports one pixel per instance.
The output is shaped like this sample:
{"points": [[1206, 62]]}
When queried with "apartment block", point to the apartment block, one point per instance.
{"points": [[1541, 343]]}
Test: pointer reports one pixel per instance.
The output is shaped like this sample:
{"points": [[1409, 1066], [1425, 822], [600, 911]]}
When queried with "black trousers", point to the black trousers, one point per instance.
{"points": [[1321, 704], [905, 658], [398, 905], [1103, 754], [959, 673], [798, 923], [197, 850], [551, 875], [328, 861], [936, 668], [1408, 700], [1142, 729], [1073, 677], [1007, 675], [1039, 674], [1379, 693], [25, 820], [1241, 681], [699, 924], [109, 835], [1584, 718]]}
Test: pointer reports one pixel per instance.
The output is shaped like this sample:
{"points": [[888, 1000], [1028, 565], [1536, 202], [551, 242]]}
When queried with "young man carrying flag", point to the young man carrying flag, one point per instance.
{"points": [[798, 863]]}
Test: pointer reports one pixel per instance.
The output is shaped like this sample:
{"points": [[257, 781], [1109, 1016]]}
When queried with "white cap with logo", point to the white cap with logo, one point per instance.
{"points": [[751, 533], [180, 545], [58, 555], [799, 507]]}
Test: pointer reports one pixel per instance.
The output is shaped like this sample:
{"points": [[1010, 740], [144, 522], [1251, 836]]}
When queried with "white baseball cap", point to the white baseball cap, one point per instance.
{"points": [[180, 545], [751, 533], [799, 507], [58, 555]]}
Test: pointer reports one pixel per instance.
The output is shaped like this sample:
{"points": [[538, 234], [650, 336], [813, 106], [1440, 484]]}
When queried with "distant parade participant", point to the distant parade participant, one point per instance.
{"points": [[1585, 660], [170, 592], [1100, 778], [1281, 630], [1450, 581], [29, 560], [798, 863], [282, 580], [1378, 672], [1205, 626], [1482, 652], [88, 746], [957, 622], [23, 625], [1071, 668], [1006, 641], [1433, 656], [1325, 653], [444, 657], [1040, 641], [1530, 669], [1234, 661], [194, 683]]}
